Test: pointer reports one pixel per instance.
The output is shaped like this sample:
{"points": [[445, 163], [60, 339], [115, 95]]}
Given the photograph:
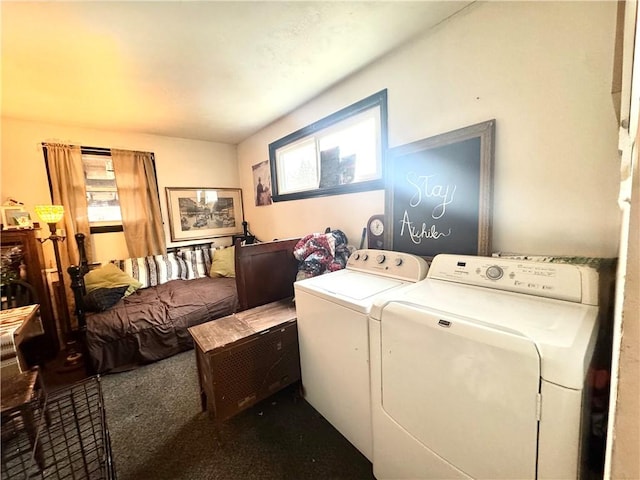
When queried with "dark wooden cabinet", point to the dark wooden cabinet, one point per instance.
{"points": [[34, 268]]}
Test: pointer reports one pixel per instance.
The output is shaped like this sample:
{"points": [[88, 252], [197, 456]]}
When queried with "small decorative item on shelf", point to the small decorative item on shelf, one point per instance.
{"points": [[15, 217]]}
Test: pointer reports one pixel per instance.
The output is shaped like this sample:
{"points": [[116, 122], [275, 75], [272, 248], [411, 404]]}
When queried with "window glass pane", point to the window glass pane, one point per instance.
{"points": [[341, 153], [297, 167], [98, 168], [357, 141], [103, 207], [102, 192]]}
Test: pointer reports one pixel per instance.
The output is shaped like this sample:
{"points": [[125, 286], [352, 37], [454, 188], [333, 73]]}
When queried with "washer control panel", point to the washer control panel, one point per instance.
{"points": [[553, 280], [403, 266]]}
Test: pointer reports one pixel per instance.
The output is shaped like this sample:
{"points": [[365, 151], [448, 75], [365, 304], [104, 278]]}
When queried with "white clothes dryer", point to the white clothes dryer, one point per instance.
{"points": [[333, 334], [479, 371]]}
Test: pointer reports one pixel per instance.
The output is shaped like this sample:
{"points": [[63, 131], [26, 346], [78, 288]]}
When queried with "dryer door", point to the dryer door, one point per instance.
{"points": [[466, 391]]}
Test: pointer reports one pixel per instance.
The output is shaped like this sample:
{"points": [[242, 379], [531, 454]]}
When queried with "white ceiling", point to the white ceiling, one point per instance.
{"points": [[216, 71]]}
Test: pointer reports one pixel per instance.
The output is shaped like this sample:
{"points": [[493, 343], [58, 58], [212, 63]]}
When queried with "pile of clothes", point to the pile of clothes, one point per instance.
{"points": [[320, 253]]}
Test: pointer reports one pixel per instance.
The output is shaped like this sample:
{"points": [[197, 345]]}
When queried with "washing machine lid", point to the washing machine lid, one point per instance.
{"points": [[564, 332], [351, 289]]}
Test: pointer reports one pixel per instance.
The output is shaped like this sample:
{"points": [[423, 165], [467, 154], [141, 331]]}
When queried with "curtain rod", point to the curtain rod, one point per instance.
{"points": [[99, 150]]}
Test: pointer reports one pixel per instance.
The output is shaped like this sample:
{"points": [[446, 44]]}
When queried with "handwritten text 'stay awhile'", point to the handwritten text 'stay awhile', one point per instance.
{"points": [[426, 189]]}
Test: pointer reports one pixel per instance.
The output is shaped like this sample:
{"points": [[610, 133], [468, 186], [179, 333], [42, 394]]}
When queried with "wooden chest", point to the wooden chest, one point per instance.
{"points": [[246, 357]]}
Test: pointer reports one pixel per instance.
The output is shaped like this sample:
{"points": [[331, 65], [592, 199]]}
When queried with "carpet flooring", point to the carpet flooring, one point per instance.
{"points": [[158, 431]]}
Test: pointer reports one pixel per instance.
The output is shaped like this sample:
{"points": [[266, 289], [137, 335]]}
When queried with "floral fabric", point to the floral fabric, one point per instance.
{"points": [[320, 253]]}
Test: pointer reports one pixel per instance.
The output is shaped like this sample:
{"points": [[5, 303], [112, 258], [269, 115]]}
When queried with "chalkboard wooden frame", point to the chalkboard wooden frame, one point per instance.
{"points": [[426, 207]]}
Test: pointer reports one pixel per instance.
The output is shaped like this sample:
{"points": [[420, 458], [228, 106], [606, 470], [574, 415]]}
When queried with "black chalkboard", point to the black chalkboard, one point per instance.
{"points": [[438, 193]]}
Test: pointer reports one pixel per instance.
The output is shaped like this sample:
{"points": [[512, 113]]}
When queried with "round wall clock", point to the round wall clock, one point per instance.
{"points": [[375, 232]]}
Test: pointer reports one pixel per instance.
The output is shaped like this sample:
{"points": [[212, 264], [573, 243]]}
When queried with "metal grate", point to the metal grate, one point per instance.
{"points": [[68, 438]]}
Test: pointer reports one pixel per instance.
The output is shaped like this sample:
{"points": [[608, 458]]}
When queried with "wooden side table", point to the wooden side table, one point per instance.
{"points": [[246, 357]]}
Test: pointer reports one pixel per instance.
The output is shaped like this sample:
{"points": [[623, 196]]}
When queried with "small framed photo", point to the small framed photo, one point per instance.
{"points": [[262, 183], [15, 218], [196, 213]]}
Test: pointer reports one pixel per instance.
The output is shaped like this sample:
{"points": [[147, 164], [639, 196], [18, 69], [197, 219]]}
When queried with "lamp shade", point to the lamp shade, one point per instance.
{"points": [[50, 213]]}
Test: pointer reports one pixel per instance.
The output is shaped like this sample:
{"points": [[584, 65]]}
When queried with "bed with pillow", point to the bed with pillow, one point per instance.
{"points": [[138, 310]]}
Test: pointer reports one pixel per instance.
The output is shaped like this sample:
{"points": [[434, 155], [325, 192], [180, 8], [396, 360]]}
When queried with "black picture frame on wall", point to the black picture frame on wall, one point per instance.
{"points": [[439, 193]]}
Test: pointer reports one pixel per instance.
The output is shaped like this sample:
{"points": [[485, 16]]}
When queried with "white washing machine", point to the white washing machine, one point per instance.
{"points": [[333, 333], [479, 371]]}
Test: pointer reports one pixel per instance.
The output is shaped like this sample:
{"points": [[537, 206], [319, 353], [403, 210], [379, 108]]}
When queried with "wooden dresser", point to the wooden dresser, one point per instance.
{"points": [[36, 276]]}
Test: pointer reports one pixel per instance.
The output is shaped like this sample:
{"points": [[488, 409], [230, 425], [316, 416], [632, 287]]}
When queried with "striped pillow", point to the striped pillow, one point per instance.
{"points": [[174, 266], [195, 260], [154, 269], [207, 254]]}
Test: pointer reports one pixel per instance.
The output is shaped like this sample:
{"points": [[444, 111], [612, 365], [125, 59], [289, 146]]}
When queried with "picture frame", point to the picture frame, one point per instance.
{"points": [[202, 212], [439, 193], [15, 218], [262, 183]]}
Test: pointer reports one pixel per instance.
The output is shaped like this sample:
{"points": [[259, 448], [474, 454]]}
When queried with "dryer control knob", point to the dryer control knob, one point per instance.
{"points": [[356, 256], [380, 258], [494, 272], [398, 261], [365, 257]]}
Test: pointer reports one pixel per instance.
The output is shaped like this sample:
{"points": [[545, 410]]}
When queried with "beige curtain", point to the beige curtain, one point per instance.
{"points": [[68, 189], [139, 202]]}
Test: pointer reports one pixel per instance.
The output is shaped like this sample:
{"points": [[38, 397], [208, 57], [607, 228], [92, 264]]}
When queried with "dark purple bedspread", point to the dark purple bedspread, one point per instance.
{"points": [[152, 323]]}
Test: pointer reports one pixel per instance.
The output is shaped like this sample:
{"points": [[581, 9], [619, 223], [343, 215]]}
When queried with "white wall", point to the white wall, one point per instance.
{"points": [[543, 70], [545, 80], [179, 163]]}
